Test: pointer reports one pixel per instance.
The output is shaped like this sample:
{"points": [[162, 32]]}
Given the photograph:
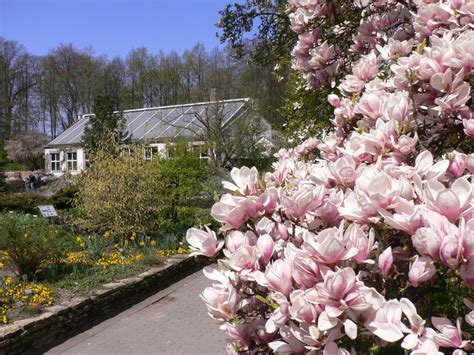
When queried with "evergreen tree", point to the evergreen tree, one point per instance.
{"points": [[105, 128]]}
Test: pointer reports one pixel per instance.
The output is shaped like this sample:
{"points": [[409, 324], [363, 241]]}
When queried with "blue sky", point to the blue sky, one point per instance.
{"points": [[111, 27]]}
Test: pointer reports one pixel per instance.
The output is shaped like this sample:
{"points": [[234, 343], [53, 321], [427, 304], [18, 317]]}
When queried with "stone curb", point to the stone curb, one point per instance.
{"points": [[60, 322]]}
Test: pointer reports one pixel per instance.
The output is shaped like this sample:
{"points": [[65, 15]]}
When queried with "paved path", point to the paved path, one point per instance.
{"points": [[173, 321]]}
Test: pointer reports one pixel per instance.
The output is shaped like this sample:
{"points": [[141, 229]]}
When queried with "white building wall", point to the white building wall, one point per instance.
{"points": [[63, 158]]}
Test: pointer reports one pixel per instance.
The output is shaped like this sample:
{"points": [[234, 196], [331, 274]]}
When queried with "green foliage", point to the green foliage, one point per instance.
{"points": [[104, 128], [64, 198], [31, 242], [250, 149], [15, 186], [272, 39], [307, 113], [88, 279], [20, 202], [183, 188], [118, 194]]}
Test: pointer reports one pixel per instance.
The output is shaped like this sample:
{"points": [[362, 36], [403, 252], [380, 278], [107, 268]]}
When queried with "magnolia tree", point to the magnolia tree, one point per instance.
{"points": [[364, 239]]}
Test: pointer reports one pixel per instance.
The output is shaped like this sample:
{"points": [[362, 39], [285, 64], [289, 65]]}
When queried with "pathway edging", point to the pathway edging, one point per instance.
{"points": [[60, 322]]}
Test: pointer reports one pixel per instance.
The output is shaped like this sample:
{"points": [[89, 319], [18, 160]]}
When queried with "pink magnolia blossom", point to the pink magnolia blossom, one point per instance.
{"points": [[343, 171], [417, 325], [234, 240], [421, 270], [451, 250], [245, 260], [306, 271], [467, 273], [470, 316], [385, 322], [328, 246], [277, 277], [245, 180], [332, 349], [457, 164], [467, 235], [450, 202], [377, 188], [203, 242], [469, 127], [450, 335], [398, 107], [339, 292], [385, 261], [266, 247], [221, 301], [355, 237], [229, 210], [407, 217], [301, 309], [302, 201]]}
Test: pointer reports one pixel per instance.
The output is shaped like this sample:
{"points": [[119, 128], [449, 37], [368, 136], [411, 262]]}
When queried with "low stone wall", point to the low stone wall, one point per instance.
{"points": [[60, 322], [21, 175]]}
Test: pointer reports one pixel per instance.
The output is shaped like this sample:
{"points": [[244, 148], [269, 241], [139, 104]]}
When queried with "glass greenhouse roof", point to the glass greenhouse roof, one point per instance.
{"points": [[163, 123]]}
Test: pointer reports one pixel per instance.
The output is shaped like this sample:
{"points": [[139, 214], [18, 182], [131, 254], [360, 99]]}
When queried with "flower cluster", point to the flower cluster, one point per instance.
{"points": [[351, 239], [171, 252], [16, 296], [332, 35]]}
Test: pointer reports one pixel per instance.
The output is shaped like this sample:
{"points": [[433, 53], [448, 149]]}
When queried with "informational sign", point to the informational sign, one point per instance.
{"points": [[48, 211]]}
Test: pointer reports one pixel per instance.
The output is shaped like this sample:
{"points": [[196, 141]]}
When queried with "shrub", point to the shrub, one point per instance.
{"points": [[118, 194], [65, 198], [15, 186], [31, 242], [183, 187], [362, 238], [21, 202]]}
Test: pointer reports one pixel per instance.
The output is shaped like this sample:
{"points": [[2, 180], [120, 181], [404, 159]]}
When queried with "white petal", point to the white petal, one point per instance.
{"points": [[350, 328]]}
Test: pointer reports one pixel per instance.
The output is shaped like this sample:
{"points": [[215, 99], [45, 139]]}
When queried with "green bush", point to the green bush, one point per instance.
{"points": [[183, 181], [26, 202], [14, 186], [64, 199], [31, 243]]}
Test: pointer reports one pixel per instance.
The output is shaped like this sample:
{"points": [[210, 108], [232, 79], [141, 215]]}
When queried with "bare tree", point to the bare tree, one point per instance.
{"points": [[27, 148], [17, 78], [226, 140]]}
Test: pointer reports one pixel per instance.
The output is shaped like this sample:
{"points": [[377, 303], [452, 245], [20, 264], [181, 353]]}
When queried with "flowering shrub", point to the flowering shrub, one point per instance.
{"points": [[30, 243], [364, 238]]}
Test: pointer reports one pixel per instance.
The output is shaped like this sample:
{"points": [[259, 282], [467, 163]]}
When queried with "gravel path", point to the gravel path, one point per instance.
{"points": [[173, 321]]}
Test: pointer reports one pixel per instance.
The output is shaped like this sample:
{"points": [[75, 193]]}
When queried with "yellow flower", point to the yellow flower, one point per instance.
{"points": [[153, 242], [107, 234], [142, 243]]}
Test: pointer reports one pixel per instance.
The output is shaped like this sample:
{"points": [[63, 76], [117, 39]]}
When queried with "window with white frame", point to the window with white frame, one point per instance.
{"points": [[87, 162], [72, 161], [151, 152], [55, 162]]}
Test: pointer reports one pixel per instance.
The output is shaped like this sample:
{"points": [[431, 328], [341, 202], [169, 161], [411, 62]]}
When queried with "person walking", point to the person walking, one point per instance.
{"points": [[32, 182]]}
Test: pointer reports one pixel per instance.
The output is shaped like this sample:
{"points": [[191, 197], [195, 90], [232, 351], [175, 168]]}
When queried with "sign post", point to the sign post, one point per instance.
{"points": [[48, 211]]}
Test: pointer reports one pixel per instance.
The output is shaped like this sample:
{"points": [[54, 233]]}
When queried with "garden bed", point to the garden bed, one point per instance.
{"points": [[70, 317]]}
